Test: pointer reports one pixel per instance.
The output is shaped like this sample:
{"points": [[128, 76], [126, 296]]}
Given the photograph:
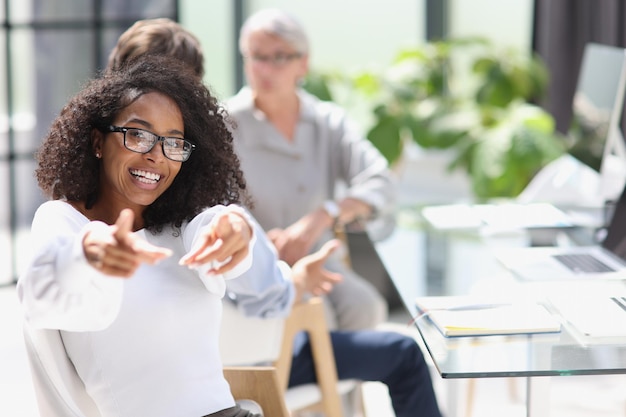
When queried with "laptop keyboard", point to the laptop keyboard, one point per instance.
{"points": [[583, 262]]}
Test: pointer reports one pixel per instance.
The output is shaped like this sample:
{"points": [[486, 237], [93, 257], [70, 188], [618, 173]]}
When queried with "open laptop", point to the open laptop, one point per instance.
{"points": [[607, 260]]}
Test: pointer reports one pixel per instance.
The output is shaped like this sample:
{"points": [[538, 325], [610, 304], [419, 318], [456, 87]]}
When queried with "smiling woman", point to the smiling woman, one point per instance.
{"points": [[165, 219]]}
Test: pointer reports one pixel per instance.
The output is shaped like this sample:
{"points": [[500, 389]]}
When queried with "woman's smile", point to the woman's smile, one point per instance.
{"points": [[145, 177]]}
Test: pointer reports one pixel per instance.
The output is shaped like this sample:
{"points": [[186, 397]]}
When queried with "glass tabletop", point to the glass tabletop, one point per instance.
{"points": [[407, 255], [551, 354]]}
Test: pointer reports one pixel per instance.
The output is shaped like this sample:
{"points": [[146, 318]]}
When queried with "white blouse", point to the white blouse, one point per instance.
{"points": [[144, 346]]}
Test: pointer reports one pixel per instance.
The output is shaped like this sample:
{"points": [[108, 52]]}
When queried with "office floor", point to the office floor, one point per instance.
{"points": [[598, 396]]}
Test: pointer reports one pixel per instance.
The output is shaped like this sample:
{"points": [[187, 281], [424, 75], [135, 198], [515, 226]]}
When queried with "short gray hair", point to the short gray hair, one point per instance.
{"points": [[278, 23]]}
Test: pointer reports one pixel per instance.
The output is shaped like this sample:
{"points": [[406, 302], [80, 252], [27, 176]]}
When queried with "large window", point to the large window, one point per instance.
{"points": [[48, 48]]}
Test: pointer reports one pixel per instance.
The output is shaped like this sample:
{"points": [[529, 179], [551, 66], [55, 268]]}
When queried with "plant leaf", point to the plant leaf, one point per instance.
{"points": [[317, 84], [386, 137]]}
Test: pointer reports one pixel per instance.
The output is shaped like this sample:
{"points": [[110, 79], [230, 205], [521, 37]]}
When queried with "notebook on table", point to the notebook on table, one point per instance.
{"points": [[607, 260], [471, 316], [502, 216]]}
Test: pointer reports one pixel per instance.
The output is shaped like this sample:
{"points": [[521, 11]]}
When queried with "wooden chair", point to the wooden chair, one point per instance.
{"points": [[259, 384], [246, 341], [325, 397]]}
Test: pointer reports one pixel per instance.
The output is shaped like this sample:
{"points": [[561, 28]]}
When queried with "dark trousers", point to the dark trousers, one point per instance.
{"points": [[370, 355]]}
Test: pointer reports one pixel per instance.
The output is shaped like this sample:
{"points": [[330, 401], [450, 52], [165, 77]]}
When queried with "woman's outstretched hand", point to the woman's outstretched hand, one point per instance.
{"points": [[224, 243], [115, 250]]}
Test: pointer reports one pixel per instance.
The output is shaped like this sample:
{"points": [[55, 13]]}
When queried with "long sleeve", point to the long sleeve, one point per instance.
{"points": [[59, 289], [266, 289]]}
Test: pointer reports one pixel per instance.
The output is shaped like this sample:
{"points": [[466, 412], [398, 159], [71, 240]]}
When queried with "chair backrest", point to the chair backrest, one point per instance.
{"points": [[306, 316], [239, 333], [259, 384], [309, 317]]}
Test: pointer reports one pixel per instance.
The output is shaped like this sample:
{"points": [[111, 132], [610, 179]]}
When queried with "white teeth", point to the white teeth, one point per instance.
{"points": [[145, 176]]}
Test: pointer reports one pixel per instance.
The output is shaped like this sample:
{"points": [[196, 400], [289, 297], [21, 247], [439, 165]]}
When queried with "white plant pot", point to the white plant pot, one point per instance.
{"points": [[424, 178]]}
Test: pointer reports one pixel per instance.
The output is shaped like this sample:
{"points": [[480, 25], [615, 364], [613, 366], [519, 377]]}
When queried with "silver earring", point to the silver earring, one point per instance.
{"points": [[98, 155]]}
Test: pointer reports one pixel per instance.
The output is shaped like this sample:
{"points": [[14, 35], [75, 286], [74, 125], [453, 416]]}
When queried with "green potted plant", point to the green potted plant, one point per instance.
{"points": [[462, 94]]}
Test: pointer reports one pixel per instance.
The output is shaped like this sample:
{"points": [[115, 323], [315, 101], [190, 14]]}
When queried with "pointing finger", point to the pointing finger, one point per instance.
{"points": [[124, 224]]}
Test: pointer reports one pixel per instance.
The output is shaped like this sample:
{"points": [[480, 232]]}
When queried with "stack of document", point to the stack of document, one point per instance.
{"points": [[505, 216], [594, 315], [470, 316]]}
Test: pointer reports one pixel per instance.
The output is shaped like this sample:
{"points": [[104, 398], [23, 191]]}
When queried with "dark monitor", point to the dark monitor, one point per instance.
{"points": [[594, 172], [599, 96], [615, 239], [597, 108]]}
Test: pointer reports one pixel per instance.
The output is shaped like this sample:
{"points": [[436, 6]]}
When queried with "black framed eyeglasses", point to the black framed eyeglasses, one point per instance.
{"points": [[277, 60], [142, 141]]}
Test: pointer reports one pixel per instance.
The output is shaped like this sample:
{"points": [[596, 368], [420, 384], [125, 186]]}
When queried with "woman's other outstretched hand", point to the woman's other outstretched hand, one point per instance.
{"points": [[115, 250], [224, 243]]}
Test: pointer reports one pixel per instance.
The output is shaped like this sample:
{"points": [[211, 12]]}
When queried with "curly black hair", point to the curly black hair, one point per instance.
{"points": [[68, 169]]}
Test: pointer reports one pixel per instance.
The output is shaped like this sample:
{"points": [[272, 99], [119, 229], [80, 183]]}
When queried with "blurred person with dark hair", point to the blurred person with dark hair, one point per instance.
{"points": [[161, 36]]}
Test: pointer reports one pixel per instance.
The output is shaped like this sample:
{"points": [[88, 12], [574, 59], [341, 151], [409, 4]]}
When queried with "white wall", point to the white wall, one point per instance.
{"points": [[211, 22], [349, 35], [506, 22], [345, 34]]}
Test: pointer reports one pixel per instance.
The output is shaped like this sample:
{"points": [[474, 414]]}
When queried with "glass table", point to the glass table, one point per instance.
{"points": [[418, 261]]}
